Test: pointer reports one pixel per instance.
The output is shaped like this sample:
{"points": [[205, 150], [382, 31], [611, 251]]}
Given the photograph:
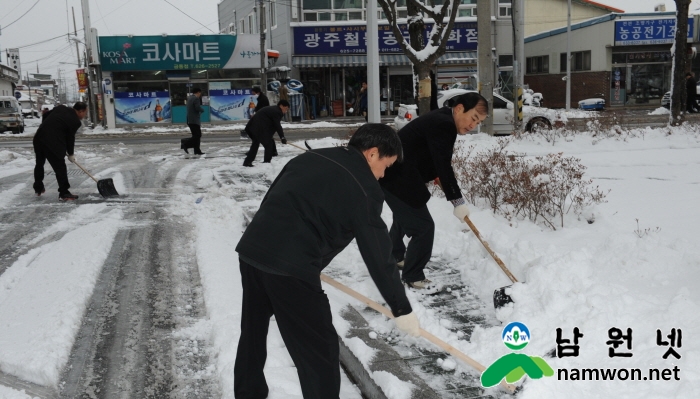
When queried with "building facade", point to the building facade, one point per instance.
{"points": [[322, 44], [624, 58]]}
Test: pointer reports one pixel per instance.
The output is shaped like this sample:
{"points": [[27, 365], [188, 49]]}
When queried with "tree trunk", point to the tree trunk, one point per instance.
{"points": [[421, 71], [680, 57]]}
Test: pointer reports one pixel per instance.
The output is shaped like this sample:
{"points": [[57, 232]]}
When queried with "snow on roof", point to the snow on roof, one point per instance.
{"points": [[601, 5]]}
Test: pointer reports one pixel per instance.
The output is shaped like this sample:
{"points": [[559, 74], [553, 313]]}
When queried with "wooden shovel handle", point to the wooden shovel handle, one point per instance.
{"points": [[490, 251], [430, 337], [86, 172]]}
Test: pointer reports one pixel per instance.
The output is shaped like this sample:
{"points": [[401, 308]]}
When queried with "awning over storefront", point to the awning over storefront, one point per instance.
{"points": [[465, 57]]}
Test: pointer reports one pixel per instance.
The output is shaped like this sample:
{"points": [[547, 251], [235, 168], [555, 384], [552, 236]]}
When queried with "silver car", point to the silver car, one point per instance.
{"points": [[534, 118]]}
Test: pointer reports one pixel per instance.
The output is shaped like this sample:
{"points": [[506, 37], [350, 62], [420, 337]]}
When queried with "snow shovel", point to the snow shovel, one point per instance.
{"points": [[104, 186], [430, 337], [500, 298]]}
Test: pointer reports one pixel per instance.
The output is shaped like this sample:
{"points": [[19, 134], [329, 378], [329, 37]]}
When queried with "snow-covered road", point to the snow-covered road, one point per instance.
{"points": [[138, 296]]}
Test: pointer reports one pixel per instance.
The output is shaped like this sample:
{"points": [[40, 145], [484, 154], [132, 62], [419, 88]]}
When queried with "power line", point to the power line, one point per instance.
{"points": [[20, 17], [13, 8], [188, 16]]}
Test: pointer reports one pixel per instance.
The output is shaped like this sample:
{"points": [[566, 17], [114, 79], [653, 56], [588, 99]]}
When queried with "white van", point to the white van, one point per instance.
{"points": [[10, 115]]}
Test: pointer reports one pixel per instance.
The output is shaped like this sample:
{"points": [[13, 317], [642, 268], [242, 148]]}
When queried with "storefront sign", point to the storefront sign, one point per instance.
{"points": [[617, 91], [648, 31], [350, 39], [150, 53], [142, 107], [231, 105], [82, 78]]}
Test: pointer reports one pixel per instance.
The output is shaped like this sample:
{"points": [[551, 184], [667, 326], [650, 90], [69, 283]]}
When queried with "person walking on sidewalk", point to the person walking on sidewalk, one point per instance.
{"points": [[263, 101], [194, 110], [363, 101], [428, 143], [320, 202], [55, 139], [261, 129]]}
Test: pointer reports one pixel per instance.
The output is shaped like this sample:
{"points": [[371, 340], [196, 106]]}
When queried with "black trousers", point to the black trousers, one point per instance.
{"points": [[303, 315], [267, 142], [195, 140], [418, 225], [58, 164]]}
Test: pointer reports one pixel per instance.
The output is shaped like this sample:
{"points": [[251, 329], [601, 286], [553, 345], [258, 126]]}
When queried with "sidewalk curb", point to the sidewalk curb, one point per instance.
{"points": [[386, 359]]}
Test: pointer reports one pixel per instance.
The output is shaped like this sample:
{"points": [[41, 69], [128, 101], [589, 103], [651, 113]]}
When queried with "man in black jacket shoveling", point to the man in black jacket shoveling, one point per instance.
{"points": [[428, 144], [262, 127], [318, 204], [55, 139]]}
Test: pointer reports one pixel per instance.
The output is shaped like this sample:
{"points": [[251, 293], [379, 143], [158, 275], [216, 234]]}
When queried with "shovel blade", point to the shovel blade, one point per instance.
{"points": [[500, 298], [106, 188]]}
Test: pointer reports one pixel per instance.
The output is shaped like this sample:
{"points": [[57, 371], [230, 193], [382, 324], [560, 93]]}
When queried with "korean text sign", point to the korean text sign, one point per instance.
{"points": [[150, 53], [648, 31], [351, 39]]}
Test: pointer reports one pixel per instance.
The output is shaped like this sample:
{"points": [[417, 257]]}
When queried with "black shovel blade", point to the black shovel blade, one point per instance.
{"points": [[500, 298], [106, 188]]}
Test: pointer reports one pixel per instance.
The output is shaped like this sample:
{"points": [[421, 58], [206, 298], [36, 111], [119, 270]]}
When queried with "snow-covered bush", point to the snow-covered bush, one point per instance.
{"points": [[540, 189]]}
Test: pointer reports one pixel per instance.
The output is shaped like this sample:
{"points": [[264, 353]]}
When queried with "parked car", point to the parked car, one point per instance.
{"points": [[10, 115], [534, 118], [666, 99]]}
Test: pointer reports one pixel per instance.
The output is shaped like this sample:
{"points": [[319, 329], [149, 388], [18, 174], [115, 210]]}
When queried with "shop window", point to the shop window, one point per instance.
{"points": [[340, 16], [273, 14], [310, 16], [140, 86], [251, 23], [139, 75], [216, 74], [580, 61], [355, 15], [316, 4], [341, 4], [537, 64], [504, 8], [241, 25], [324, 16]]}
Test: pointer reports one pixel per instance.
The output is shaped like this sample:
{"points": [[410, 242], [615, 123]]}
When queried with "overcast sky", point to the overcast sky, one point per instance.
{"points": [[52, 18]]}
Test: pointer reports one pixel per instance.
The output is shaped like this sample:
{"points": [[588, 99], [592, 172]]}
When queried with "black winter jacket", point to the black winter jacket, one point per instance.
{"points": [[318, 204], [428, 143], [57, 130], [262, 102], [266, 122]]}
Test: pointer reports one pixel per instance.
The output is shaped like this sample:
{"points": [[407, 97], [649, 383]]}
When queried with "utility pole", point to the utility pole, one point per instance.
{"points": [[29, 90], [373, 107], [485, 62], [263, 49], [75, 30], [518, 18], [568, 56], [88, 61]]}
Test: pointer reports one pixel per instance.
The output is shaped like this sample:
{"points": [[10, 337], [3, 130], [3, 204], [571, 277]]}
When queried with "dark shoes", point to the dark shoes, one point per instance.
{"points": [[250, 165], [186, 152], [199, 153], [67, 197], [38, 193]]}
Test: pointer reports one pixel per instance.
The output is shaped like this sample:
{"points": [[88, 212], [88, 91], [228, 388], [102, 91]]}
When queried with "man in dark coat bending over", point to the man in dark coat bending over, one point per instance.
{"points": [[55, 139], [262, 127], [428, 142], [318, 204]]}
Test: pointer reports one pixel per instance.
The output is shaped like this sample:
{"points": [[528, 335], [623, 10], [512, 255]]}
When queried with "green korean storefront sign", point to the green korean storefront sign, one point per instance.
{"points": [[149, 53]]}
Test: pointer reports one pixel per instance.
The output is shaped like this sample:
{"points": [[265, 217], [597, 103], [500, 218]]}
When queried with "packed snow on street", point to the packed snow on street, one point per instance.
{"points": [[140, 295]]}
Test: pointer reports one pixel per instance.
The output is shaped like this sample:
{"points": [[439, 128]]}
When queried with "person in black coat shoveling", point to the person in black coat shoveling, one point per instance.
{"points": [[428, 143], [194, 111], [261, 128], [55, 139], [319, 203]]}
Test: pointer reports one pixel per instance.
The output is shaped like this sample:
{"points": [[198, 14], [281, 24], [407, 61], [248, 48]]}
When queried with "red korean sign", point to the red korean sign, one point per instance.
{"points": [[82, 78]]}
